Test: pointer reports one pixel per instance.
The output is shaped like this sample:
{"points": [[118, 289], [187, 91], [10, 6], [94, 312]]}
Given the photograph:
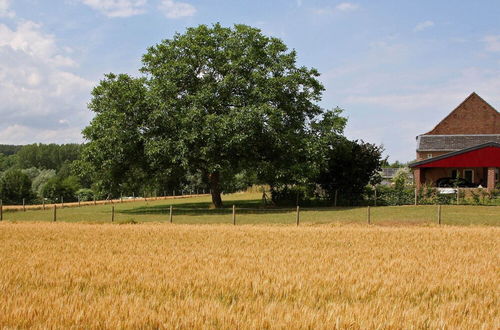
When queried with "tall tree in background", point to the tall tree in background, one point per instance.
{"points": [[214, 101]]}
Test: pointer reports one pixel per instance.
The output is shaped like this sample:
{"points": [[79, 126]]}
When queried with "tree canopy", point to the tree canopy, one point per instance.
{"points": [[214, 100]]}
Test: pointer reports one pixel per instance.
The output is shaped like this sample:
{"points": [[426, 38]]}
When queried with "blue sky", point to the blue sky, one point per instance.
{"points": [[396, 67]]}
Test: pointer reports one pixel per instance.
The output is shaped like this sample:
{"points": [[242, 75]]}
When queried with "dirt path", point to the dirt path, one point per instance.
{"points": [[101, 202]]}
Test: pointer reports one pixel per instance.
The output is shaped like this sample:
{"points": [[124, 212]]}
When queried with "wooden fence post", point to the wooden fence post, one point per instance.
{"points": [[113, 213], [368, 214], [24, 205], [298, 215], [55, 212], [79, 201], [133, 195], [234, 215], [416, 197], [1, 210], [439, 214], [171, 211]]}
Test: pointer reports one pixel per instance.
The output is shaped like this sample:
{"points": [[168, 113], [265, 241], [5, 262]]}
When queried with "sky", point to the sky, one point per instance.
{"points": [[396, 67]]}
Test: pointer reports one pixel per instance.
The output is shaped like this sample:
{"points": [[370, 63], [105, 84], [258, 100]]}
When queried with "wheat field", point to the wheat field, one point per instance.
{"points": [[61, 275]]}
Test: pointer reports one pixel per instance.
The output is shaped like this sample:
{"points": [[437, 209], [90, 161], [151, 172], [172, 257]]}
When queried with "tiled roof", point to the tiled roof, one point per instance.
{"points": [[453, 142]]}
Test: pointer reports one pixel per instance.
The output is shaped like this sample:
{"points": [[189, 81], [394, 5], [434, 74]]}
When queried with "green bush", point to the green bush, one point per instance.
{"points": [[14, 186], [85, 194], [57, 188]]}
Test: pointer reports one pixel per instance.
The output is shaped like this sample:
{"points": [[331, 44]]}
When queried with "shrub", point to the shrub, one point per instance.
{"points": [[85, 194], [57, 188], [14, 186]]}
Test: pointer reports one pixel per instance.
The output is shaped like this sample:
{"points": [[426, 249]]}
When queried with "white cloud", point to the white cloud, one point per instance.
{"points": [[341, 7], [423, 26], [492, 43], [5, 9], [37, 88], [396, 112], [20, 134], [347, 6], [117, 8], [176, 9]]}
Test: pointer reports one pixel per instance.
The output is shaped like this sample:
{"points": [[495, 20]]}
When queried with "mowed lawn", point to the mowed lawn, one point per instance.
{"points": [[250, 210], [74, 275]]}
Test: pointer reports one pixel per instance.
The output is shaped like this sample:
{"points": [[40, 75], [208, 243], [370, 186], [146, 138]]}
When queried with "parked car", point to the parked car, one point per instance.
{"points": [[454, 182]]}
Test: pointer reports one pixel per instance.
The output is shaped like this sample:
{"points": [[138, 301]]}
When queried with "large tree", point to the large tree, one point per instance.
{"points": [[214, 100]]}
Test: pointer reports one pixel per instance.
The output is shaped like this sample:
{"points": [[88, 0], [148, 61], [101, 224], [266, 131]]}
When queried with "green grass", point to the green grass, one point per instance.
{"points": [[250, 210]]}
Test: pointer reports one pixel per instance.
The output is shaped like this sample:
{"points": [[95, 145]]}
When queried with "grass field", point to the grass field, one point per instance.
{"points": [[62, 275], [251, 211]]}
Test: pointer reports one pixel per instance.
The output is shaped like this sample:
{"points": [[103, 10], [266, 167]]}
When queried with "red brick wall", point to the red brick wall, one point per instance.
{"points": [[473, 116], [422, 155]]}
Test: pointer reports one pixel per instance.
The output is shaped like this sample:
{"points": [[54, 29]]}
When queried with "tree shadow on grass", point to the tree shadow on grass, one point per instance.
{"points": [[254, 206]]}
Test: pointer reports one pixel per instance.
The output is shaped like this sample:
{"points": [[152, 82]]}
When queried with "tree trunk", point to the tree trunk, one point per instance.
{"points": [[213, 179]]}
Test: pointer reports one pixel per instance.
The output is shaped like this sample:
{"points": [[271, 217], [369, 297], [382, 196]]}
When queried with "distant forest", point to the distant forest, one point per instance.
{"points": [[8, 149], [36, 171]]}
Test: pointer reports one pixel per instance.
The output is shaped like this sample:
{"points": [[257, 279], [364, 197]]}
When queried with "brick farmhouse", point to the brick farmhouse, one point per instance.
{"points": [[464, 145]]}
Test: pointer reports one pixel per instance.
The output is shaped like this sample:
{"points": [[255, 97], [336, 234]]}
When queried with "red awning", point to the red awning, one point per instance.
{"points": [[487, 155]]}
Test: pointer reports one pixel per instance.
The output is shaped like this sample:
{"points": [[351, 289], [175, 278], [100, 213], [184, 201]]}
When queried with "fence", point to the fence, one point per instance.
{"points": [[235, 215]]}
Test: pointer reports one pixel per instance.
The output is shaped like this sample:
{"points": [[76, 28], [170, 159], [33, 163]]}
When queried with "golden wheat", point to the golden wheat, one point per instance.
{"points": [[181, 276]]}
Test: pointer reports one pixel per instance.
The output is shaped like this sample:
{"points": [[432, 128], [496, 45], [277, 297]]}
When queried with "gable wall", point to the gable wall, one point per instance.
{"points": [[473, 116]]}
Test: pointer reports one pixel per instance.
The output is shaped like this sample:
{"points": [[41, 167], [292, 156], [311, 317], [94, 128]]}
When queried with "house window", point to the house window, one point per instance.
{"points": [[469, 175], [429, 156], [454, 174]]}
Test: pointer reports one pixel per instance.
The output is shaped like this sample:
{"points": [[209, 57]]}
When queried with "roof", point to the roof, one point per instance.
{"points": [[490, 161], [389, 172], [473, 116], [453, 142]]}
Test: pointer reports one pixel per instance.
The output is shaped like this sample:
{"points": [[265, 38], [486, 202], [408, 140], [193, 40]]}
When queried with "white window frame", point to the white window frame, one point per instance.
{"points": [[429, 156]]}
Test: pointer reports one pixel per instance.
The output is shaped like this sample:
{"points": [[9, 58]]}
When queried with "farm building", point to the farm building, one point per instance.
{"points": [[462, 150]]}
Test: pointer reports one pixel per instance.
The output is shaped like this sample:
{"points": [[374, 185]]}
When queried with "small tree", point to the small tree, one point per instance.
{"points": [[350, 166], [58, 187], [15, 186]]}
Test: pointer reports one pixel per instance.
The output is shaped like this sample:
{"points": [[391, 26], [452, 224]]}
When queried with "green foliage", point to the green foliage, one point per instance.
{"points": [[14, 186], [395, 164], [8, 150], [47, 156], [40, 180], [350, 166], [7, 162], [395, 195], [115, 152], [85, 194], [216, 101], [57, 188]]}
